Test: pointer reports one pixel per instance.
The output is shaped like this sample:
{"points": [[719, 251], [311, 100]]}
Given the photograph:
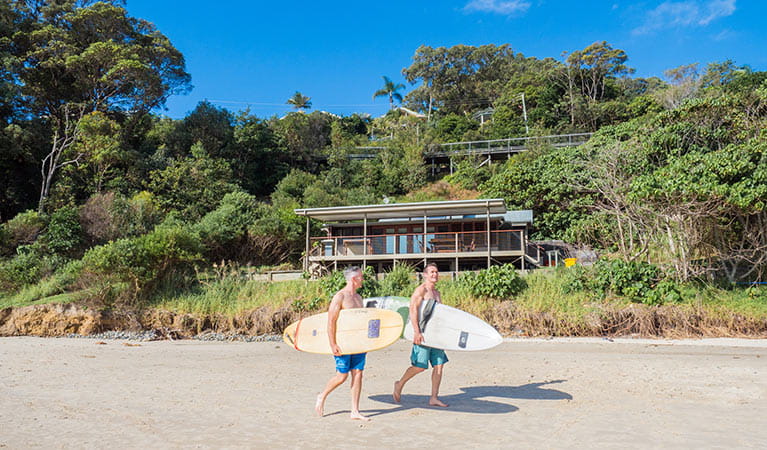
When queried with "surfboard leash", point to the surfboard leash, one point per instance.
{"points": [[298, 327]]}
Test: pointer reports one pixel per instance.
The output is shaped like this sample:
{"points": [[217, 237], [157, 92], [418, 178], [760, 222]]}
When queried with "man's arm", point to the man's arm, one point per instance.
{"points": [[333, 311], [415, 306]]}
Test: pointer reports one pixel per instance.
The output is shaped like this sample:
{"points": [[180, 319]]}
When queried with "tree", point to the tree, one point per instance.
{"points": [[300, 101], [193, 185], [458, 79], [73, 58], [390, 90], [588, 74]]}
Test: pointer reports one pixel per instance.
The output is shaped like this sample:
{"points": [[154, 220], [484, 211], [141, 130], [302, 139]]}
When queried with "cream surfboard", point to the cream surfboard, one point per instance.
{"points": [[358, 330], [449, 328]]}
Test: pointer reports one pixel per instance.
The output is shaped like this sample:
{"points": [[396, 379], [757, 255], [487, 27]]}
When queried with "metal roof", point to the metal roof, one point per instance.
{"points": [[405, 210]]}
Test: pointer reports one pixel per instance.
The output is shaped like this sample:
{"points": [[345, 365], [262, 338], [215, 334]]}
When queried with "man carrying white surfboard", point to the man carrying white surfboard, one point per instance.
{"points": [[346, 298], [421, 356]]}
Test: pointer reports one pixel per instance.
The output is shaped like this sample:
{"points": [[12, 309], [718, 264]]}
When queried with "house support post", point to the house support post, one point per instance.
{"points": [[364, 241], [423, 244], [487, 225], [306, 252]]}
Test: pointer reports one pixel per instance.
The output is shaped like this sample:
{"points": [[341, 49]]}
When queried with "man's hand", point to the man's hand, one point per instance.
{"points": [[417, 338], [336, 349]]}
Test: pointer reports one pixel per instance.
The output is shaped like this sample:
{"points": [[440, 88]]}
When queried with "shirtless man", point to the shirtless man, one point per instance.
{"points": [[344, 299], [421, 356]]}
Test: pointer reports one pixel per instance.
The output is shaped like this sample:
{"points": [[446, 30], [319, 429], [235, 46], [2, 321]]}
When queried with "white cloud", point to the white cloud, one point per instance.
{"points": [[498, 6], [685, 14]]}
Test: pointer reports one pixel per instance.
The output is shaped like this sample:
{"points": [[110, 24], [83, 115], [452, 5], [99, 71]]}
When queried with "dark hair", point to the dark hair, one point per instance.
{"points": [[430, 265]]}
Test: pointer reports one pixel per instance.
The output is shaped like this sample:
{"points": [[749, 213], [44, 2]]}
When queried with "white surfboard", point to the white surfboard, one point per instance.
{"points": [[449, 328]]}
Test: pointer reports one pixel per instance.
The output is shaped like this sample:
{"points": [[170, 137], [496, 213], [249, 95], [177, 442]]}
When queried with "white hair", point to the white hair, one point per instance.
{"points": [[349, 272]]}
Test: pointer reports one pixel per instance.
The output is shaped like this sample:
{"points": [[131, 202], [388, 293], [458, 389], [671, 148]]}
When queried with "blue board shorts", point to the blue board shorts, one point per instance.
{"points": [[421, 356], [345, 363]]}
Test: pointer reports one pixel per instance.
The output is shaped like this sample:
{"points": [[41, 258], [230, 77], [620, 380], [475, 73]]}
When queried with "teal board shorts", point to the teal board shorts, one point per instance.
{"points": [[345, 363], [421, 356]]}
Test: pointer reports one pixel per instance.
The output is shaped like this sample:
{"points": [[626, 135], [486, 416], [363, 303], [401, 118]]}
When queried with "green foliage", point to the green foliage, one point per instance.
{"points": [[666, 291], [638, 282], [467, 175], [223, 231], [110, 216], [630, 279], [143, 262], [542, 180], [24, 269], [193, 185], [500, 282], [400, 280], [63, 235], [335, 281], [453, 127], [23, 229], [313, 304]]}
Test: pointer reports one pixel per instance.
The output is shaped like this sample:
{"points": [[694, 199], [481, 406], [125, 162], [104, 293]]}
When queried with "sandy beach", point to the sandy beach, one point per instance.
{"points": [[559, 393]]}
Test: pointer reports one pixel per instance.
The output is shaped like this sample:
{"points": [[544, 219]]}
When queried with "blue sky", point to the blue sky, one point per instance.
{"points": [[256, 54]]}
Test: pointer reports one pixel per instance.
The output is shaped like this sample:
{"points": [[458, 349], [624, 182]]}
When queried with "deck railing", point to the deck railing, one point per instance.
{"points": [[510, 144], [417, 243]]}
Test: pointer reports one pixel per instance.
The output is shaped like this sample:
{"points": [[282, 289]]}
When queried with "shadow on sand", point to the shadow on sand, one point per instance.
{"points": [[473, 399]]}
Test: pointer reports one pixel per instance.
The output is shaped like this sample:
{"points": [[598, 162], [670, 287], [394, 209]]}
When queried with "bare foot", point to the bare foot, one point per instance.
{"points": [[397, 394], [319, 405], [358, 416], [437, 402]]}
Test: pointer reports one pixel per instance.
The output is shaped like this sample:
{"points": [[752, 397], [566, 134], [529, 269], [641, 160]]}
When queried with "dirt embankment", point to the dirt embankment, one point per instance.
{"points": [[509, 319], [61, 320]]}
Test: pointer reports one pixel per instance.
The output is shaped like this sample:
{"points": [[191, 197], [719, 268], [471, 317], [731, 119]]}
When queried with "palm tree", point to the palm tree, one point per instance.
{"points": [[300, 101], [390, 90]]}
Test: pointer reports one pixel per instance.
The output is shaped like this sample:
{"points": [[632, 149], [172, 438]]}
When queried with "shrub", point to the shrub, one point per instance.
{"points": [[107, 217], [25, 268], [63, 236], [666, 291], [494, 282], [335, 281], [23, 229], [631, 279], [639, 282], [145, 261], [219, 229], [399, 280]]}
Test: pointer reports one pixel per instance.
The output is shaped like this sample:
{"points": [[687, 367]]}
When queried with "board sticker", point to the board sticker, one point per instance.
{"points": [[374, 328], [462, 339]]}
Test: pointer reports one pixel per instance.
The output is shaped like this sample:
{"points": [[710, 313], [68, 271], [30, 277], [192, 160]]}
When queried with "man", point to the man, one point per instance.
{"points": [[344, 299], [421, 356]]}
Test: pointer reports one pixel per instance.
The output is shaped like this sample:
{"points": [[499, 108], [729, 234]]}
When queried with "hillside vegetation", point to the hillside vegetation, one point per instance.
{"points": [[106, 203]]}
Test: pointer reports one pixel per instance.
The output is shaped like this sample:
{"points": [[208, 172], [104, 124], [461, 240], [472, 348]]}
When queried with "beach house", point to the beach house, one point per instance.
{"points": [[456, 235]]}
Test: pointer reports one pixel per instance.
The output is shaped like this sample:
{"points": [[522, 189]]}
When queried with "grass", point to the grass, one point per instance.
{"points": [[544, 303], [49, 290], [231, 296]]}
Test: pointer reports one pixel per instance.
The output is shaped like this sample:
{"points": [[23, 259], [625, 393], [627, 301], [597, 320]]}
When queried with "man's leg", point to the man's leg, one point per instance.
{"points": [[398, 385], [333, 383], [436, 379], [356, 390]]}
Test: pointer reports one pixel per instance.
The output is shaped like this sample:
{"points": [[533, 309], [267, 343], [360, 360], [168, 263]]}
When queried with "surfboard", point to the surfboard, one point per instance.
{"points": [[391, 302], [450, 328], [358, 330]]}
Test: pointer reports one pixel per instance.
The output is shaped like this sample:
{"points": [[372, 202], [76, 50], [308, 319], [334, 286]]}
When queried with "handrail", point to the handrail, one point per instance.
{"points": [[418, 243], [479, 144], [420, 233], [523, 138]]}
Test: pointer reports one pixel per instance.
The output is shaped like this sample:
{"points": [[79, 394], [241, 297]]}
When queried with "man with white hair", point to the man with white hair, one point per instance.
{"points": [[344, 299]]}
